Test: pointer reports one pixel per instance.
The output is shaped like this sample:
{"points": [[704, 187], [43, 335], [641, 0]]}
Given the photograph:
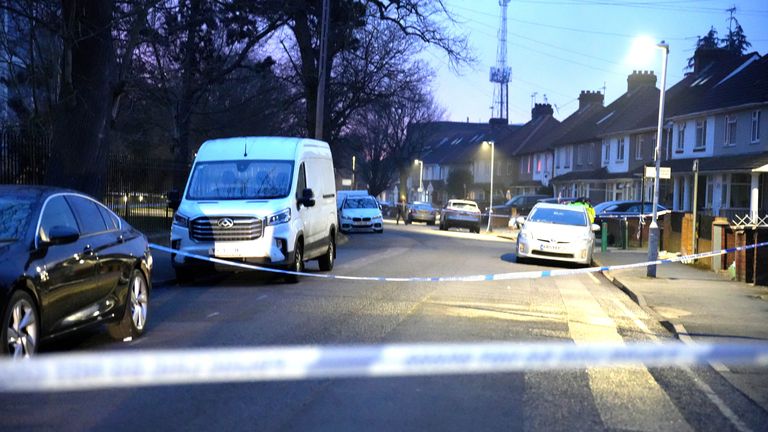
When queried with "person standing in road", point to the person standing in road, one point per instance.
{"points": [[400, 212]]}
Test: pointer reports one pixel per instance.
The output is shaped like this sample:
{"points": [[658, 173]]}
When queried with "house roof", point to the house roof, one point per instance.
{"points": [[728, 83], [454, 142], [530, 138], [598, 174], [742, 162]]}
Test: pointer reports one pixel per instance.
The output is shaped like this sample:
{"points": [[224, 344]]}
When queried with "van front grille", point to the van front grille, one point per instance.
{"points": [[226, 228]]}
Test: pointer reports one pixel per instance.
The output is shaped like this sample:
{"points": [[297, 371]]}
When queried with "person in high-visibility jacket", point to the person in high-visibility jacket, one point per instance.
{"points": [[584, 202]]}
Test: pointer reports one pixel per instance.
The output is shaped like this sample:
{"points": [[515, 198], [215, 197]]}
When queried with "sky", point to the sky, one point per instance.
{"points": [[557, 48]]}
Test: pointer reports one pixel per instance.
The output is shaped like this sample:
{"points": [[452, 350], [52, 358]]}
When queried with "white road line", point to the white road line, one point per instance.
{"points": [[704, 387], [211, 315], [261, 297], [615, 389]]}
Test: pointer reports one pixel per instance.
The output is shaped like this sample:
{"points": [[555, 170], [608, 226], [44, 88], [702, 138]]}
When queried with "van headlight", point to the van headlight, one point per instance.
{"points": [[280, 217], [180, 220]]}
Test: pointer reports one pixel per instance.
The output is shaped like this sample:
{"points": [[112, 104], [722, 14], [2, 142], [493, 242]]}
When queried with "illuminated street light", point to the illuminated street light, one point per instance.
{"points": [[653, 238], [490, 206], [421, 178]]}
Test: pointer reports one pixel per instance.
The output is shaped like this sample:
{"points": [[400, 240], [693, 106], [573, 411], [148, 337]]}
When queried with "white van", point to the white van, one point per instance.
{"points": [[260, 200]]}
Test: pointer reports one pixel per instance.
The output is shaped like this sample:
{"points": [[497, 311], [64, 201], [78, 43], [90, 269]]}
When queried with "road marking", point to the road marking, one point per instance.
{"points": [[212, 315], [614, 389], [261, 297], [704, 387]]}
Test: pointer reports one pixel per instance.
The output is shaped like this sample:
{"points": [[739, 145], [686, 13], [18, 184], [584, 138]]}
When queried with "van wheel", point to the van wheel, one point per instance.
{"points": [[326, 261], [298, 262]]}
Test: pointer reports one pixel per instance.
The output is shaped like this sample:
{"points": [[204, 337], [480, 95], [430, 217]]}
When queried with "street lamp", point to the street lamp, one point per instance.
{"points": [[354, 159], [420, 163], [490, 205], [653, 230]]}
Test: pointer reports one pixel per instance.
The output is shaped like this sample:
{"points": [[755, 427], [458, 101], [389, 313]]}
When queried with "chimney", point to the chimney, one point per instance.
{"points": [[639, 79], [541, 110], [704, 57], [587, 98]]}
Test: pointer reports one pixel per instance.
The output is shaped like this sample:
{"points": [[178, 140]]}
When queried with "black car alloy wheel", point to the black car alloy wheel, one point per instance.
{"points": [[20, 326]]}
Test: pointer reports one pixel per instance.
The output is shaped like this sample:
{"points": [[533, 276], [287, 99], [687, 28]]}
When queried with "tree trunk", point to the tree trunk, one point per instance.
{"points": [[80, 144], [183, 115]]}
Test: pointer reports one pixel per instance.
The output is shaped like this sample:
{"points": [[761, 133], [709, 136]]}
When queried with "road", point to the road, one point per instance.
{"points": [[256, 310]]}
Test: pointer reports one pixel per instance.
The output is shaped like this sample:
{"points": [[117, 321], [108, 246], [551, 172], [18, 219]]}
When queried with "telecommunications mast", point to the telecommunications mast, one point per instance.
{"points": [[501, 73]]}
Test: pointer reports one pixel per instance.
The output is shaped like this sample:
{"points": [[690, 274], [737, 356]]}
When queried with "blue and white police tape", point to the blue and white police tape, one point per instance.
{"points": [[471, 278], [633, 216], [91, 371]]}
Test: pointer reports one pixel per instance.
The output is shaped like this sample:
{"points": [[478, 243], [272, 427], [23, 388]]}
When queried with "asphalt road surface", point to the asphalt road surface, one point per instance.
{"points": [[250, 309]]}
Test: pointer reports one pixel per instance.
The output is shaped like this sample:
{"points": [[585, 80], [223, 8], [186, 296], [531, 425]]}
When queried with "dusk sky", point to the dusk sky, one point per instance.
{"points": [[559, 47]]}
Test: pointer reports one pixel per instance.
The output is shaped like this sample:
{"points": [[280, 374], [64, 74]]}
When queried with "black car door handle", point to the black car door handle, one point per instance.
{"points": [[88, 250]]}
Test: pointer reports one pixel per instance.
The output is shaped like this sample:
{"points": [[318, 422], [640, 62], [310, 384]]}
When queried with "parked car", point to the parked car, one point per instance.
{"points": [[262, 200], [521, 203], [460, 214], [560, 200], [361, 213], [421, 212], [67, 263], [556, 232], [621, 209]]}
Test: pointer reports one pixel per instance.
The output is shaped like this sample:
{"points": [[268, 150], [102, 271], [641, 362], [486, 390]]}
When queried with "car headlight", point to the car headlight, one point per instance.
{"points": [[280, 217], [377, 217], [523, 236], [180, 220], [346, 218]]}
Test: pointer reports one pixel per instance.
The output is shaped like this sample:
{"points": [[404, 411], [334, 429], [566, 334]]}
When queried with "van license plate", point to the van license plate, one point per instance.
{"points": [[233, 251]]}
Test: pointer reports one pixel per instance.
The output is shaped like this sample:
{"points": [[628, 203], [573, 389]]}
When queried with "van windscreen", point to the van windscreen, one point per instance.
{"points": [[242, 179]]}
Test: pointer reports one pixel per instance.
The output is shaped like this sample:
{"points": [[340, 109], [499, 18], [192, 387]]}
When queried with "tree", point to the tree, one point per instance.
{"points": [[458, 181], [193, 46], [417, 20], [735, 41], [708, 41]]}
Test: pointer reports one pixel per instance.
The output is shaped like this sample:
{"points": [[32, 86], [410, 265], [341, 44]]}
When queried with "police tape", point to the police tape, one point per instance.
{"points": [[470, 278], [92, 371], [633, 216]]}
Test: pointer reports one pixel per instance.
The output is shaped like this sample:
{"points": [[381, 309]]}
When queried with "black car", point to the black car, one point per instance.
{"points": [[66, 263], [521, 203], [623, 209]]}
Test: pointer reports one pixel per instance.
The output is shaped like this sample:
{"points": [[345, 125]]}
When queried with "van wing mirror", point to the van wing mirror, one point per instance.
{"points": [[307, 198]]}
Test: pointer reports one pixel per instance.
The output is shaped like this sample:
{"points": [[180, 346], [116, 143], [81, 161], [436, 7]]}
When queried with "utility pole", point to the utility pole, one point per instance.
{"points": [[321, 71], [653, 230]]}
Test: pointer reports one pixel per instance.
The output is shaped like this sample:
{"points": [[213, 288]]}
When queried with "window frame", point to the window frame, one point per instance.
{"points": [[701, 135], [755, 130], [620, 151], [730, 130], [680, 144], [639, 147]]}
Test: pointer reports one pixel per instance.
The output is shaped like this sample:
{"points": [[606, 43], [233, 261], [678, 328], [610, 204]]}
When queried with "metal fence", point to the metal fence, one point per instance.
{"points": [[135, 187]]}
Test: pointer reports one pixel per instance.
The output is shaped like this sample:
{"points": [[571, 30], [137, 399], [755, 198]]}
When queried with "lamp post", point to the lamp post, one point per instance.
{"points": [[653, 230], [420, 163], [354, 160], [490, 204]]}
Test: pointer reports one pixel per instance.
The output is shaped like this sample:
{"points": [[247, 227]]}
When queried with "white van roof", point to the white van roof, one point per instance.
{"points": [[264, 148]]}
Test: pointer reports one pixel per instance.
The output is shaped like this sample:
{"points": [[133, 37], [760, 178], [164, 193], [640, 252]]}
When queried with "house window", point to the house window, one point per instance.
{"points": [[568, 155], [710, 196], [739, 194], [522, 166], [730, 130], [538, 164], [606, 152], [590, 153], [680, 138], [755, 126], [580, 155], [530, 162], [620, 151], [701, 134], [639, 147], [558, 157]]}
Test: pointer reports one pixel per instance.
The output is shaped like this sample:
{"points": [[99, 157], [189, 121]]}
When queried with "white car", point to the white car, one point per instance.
{"points": [[361, 213], [556, 232]]}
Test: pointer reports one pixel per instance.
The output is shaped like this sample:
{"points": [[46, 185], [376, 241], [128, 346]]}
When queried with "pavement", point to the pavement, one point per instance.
{"points": [[699, 306]]}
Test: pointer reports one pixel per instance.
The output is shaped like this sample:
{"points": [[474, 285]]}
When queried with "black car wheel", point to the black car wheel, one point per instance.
{"points": [[298, 262], [134, 319], [20, 330], [326, 261]]}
